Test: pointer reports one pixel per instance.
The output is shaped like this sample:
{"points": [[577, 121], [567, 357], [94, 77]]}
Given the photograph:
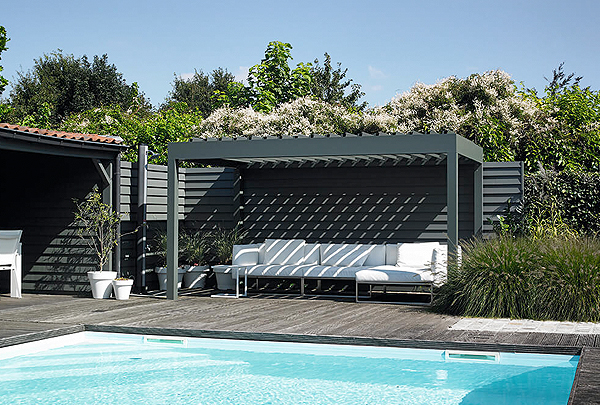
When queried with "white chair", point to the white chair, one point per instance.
{"points": [[10, 259]]}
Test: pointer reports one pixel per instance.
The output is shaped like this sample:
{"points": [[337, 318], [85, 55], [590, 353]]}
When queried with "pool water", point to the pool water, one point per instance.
{"points": [[97, 368]]}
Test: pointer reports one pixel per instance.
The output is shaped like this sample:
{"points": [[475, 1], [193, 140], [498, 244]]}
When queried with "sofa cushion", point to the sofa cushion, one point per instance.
{"points": [[416, 254], [311, 253], [376, 256], [275, 270], [391, 274], [340, 272], [342, 254], [245, 254], [284, 251]]}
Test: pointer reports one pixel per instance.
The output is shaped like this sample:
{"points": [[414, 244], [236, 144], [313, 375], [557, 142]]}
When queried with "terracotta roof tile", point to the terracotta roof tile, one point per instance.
{"points": [[65, 135]]}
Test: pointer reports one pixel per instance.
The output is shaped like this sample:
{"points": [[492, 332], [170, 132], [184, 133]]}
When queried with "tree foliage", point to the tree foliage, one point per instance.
{"points": [[569, 135], [330, 85], [197, 92], [3, 40], [59, 85], [174, 124], [271, 82]]}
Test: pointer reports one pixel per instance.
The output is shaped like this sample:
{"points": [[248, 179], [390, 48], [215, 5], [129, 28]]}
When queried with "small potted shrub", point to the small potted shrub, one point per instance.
{"points": [[160, 250], [221, 250], [99, 228], [195, 249], [122, 287]]}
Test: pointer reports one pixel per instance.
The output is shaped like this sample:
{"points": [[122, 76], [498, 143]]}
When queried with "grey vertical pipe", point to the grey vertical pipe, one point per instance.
{"points": [[172, 228], [117, 209], [452, 199], [107, 198], [142, 206], [478, 199]]}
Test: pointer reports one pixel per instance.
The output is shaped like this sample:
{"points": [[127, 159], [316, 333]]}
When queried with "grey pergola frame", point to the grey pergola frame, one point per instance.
{"points": [[244, 150]]}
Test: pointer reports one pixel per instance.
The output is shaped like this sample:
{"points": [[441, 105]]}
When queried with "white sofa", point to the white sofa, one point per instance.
{"points": [[387, 264]]}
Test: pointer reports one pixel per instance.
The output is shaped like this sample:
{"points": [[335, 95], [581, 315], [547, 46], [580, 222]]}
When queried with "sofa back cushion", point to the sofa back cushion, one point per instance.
{"points": [[245, 255], [391, 254], [376, 256], [342, 254], [284, 251], [418, 254], [311, 253]]}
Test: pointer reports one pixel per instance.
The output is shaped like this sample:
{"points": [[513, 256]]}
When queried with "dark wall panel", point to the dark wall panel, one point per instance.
{"points": [[37, 197], [502, 181], [368, 205]]}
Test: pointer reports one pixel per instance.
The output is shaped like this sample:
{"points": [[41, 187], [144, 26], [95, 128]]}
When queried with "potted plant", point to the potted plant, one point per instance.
{"points": [[122, 287], [99, 228], [221, 250], [160, 248], [195, 248]]}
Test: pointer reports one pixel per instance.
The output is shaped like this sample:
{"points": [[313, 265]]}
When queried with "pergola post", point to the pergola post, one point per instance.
{"points": [[478, 199], [172, 228], [452, 200]]}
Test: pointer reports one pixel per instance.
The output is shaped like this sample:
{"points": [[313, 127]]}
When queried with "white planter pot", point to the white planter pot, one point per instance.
{"points": [[161, 272], [224, 278], [101, 282], [195, 276], [122, 288]]}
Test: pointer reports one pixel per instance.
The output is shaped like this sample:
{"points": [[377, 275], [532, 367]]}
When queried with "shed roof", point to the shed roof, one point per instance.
{"points": [[36, 140], [65, 135]]}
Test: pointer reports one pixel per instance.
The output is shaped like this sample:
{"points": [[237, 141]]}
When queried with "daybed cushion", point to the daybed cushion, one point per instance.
{"points": [[342, 254], [416, 254], [245, 254], [284, 251], [391, 274]]}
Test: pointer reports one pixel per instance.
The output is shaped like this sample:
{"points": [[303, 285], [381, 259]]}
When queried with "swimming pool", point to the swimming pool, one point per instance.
{"points": [[92, 367]]}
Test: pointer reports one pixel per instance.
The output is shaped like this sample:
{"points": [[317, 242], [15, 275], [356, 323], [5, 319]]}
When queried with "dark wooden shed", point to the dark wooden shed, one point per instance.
{"points": [[41, 172]]}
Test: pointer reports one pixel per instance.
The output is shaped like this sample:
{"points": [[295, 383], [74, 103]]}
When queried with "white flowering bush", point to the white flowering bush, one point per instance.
{"points": [[483, 107]]}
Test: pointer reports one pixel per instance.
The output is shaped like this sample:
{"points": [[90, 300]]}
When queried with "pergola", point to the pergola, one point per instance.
{"points": [[321, 151]]}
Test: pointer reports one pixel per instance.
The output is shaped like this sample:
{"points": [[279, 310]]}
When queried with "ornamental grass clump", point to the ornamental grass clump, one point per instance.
{"points": [[554, 278], [493, 280], [571, 288]]}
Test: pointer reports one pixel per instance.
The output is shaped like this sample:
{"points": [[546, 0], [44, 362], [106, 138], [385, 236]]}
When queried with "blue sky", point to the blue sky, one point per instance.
{"points": [[386, 45]]}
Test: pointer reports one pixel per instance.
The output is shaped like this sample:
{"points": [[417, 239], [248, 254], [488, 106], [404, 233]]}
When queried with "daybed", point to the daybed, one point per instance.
{"points": [[402, 264]]}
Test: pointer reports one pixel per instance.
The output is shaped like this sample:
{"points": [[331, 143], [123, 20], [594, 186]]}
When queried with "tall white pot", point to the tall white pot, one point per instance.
{"points": [[101, 283]]}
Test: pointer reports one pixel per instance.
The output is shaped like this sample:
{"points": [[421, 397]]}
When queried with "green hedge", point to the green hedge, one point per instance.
{"points": [[575, 196], [506, 277]]}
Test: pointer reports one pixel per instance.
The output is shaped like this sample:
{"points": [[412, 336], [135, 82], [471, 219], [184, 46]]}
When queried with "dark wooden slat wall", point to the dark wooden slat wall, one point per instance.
{"points": [[339, 205], [37, 197], [354, 205]]}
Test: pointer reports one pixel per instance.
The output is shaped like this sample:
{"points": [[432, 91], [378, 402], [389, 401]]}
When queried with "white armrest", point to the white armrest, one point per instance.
{"points": [[245, 255]]}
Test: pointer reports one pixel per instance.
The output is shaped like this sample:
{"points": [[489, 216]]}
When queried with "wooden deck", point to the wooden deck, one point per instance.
{"points": [[289, 319]]}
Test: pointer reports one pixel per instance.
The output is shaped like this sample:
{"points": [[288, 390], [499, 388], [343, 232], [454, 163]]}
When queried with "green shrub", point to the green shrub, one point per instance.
{"points": [[547, 279]]}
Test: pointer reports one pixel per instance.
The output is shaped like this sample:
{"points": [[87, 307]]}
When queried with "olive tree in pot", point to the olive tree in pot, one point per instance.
{"points": [[194, 252], [221, 250], [99, 228]]}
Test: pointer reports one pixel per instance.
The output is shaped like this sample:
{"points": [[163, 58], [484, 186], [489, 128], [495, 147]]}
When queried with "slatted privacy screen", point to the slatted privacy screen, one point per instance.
{"points": [[502, 182]]}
